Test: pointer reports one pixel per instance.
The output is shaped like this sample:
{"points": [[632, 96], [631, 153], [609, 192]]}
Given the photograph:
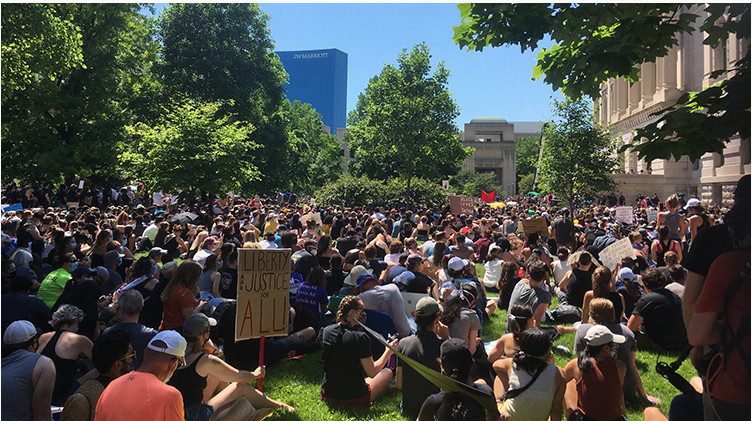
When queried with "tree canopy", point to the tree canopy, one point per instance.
{"points": [[596, 42], [578, 155], [403, 124]]}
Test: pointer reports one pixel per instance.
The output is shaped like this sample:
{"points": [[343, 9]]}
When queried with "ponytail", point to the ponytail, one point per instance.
{"points": [[585, 359]]}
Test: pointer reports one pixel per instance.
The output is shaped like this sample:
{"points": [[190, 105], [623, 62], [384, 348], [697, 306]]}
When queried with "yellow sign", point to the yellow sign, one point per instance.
{"points": [[263, 293]]}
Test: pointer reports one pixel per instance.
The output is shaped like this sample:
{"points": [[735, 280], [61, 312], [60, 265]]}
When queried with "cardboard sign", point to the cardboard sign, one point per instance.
{"points": [[613, 254], [624, 214], [263, 293], [652, 215], [311, 215], [537, 224], [462, 205]]}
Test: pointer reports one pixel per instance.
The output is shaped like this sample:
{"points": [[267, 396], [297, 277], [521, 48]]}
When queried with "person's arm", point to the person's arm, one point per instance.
{"points": [[85, 346], [622, 369], [571, 371], [502, 369], [654, 251], [560, 386], [539, 312], [472, 339], [214, 366], [565, 280], [371, 367], [634, 322], [216, 278], [398, 378], [43, 380], [692, 288], [187, 311], [704, 329], [638, 379], [623, 306], [497, 351], [586, 306]]}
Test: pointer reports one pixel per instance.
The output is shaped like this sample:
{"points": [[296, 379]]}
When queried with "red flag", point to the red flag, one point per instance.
{"points": [[487, 197]]}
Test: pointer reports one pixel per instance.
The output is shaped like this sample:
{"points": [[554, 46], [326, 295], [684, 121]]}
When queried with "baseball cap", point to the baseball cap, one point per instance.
{"points": [[102, 272], [600, 335], [404, 277], [19, 332], [691, 203], [626, 275], [196, 324], [364, 278], [82, 270], [427, 306], [111, 257], [456, 355], [355, 272], [456, 264], [157, 250], [22, 257], [169, 342]]}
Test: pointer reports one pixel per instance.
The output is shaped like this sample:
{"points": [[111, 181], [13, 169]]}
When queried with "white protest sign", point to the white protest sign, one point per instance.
{"points": [[624, 214], [613, 254], [652, 215], [263, 293], [445, 184], [81, 184]]}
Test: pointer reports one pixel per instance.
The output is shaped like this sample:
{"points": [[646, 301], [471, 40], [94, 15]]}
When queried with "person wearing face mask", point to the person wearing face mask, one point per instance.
{"points": [[64, 347], [347, 357], [596, 392], [28, 377], [143, 394], [53, 284], [238, 400], [112, 356]]}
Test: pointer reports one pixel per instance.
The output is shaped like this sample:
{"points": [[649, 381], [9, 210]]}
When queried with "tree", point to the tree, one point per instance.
{"points": [[315, 157], [596, 42], [577, 155], [221, 52], [193, 148], [467, 182], [403, 123], [70, 123], [527, 152]]}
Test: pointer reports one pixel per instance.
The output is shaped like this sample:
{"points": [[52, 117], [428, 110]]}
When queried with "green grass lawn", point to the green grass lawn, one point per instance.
{"points": [[298, 383]]}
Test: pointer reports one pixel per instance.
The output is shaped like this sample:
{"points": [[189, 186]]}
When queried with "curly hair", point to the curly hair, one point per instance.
{"points": [[351, 302], [67, 313]]}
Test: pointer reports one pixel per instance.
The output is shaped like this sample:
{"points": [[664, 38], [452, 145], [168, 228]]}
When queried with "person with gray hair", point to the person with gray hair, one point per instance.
{"points": [[129, 306], [64, 347]]}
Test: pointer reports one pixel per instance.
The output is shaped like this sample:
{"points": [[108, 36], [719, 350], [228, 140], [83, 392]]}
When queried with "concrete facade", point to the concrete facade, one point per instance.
{"points": [[625, 108], [495, 149]]}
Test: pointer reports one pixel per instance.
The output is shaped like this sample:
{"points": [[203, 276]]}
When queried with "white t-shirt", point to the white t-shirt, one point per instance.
{"points": [[560, 269], [157, 198]]}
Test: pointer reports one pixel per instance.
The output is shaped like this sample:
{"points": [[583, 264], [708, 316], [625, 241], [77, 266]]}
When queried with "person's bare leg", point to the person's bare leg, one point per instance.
{"points": [[304, 335], [212, 384], [570, 399], [652, 413], [237, 410], [379, 383], [490, 307], [498, 388], [292, 319], [256, 398], [565, 329]]}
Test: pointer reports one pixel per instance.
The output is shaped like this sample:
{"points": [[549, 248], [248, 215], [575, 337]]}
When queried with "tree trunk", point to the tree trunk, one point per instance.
{"points": [[409, 174]]}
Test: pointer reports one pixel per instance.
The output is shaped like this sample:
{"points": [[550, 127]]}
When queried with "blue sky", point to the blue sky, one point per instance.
{"points": [[495, 82]]}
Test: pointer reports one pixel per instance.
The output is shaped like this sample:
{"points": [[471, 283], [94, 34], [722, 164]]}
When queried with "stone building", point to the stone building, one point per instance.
{"points": [[625, 108]]}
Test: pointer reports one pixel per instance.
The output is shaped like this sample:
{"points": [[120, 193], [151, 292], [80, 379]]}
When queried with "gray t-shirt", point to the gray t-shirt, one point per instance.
{"points": [[525, 294], [461, 327]]}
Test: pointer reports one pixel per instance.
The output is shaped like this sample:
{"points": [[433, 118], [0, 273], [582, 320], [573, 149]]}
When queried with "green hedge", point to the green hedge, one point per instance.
{"points": [[361, 191]]}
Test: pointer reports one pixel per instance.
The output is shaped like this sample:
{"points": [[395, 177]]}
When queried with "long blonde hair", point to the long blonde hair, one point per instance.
{"points": [[199, 240], [187, 276]]}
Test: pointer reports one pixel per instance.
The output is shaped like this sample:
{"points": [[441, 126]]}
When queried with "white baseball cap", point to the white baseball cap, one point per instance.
{"points": [[600, 335], [19, 332], [456, 264], [169, 342]]}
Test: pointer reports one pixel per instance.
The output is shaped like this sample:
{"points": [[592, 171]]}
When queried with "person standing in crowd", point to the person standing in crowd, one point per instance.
{"points": [[671, 219], [28, 378], [351, 375], [142, 394]]}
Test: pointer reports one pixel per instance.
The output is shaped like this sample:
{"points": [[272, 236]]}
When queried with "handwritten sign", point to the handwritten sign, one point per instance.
{"points": [[462, 205], [624, 214], [535, 225], [315, 216], [263, 293], [613, 254], [652, 215]]}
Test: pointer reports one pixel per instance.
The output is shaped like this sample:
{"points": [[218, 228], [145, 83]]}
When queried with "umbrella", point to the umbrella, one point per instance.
{"points": [[534, 193], [183, 218], [497, 205], [511, 203]]}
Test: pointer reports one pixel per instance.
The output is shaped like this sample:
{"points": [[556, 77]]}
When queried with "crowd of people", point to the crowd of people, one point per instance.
{"points": [[121, 304]]}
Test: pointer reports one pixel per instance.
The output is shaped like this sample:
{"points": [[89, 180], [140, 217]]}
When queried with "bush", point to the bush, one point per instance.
{"points": [[361, 191], [470, 183]]}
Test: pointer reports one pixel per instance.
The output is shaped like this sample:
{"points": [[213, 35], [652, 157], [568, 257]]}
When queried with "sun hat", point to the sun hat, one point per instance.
{"points": [[355, 272]]}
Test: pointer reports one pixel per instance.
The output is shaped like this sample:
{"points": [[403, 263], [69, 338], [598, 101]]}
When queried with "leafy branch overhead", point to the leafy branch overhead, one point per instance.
{"points": [[596, 42]]}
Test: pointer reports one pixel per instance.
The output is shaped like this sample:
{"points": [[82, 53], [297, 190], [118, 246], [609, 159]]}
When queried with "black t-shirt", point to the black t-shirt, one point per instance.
{"points": [[23, 307], [564, 230], [228, 284], [425, 348], [334, 280], [343, 348], [419, 284], [579, 283], [661, 311], [378, 266], [709, 244], [345, 244], [431, 405]]}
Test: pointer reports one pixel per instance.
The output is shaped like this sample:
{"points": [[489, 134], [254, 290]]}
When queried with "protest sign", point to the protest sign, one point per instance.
{"points": [[81, 184], [613, 254], [263, 293], [537, 224], [462, 205], [311, 215], [624, 214], [652, 215], [445, 184]]}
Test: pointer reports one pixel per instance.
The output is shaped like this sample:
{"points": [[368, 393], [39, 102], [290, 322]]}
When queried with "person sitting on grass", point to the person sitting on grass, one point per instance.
{"points": [[533, 386], [659, 314], [520, 319], [596, 392], [238, 401], [604, 286], [351, 376]]}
